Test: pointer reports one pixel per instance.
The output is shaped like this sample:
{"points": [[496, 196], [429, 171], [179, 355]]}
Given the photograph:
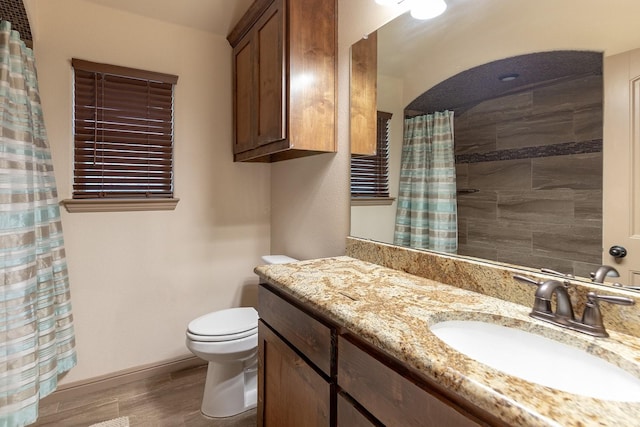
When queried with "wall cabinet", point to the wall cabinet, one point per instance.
{"points": [[284, 79], [363, 95], [312, 372]]}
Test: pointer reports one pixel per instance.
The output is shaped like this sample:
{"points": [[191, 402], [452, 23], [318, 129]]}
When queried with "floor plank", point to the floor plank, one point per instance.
{"points": [[167, 400]]}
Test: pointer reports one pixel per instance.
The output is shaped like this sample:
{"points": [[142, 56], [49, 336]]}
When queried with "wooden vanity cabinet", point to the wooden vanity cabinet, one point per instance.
{"points": [[311, 372], [296, 365], [284, 79]]}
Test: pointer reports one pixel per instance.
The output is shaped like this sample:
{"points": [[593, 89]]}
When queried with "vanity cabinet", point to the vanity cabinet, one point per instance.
{"points": [[296, 369], [313, 372], [284, 79]]}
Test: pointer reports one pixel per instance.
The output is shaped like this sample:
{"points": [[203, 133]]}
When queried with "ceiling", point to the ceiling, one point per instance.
{"points": [[466, 89], [213, 16]]}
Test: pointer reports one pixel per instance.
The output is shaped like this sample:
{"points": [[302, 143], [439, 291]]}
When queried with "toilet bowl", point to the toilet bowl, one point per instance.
{"points": [[228, 340]]}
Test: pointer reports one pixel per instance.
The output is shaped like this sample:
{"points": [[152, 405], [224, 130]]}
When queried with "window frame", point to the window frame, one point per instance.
{"points": [[134, 81]]}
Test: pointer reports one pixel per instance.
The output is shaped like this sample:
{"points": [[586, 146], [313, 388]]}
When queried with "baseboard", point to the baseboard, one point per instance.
{"points": [[103, 382]]}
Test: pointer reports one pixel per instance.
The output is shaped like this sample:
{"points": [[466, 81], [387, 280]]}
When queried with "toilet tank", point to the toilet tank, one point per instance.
{"points": [[277, 259]]}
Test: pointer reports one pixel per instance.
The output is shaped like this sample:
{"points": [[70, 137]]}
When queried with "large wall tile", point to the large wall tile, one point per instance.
{"points": [[503, 174], [535, 261], [536, 130], [569, 95], [501, 109], [475, 139], [540, 206], [576, 171], [588, 207], [574, 243], [587, 123], [499, 235]]}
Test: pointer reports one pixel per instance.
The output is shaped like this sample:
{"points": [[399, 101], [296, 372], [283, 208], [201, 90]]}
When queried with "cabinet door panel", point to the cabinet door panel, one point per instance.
{"points": [[349, 416], [270, 75], [290, 392], [243, 82], [312, 73]]}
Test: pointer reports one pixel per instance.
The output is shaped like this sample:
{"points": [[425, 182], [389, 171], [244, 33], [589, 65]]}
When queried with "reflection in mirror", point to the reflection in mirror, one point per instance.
{"points": [[528, 148]]}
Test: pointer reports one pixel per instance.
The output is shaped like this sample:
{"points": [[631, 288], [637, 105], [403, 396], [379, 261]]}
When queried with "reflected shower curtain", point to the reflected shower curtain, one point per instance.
{"points": [[37, 341], [426, 217]]}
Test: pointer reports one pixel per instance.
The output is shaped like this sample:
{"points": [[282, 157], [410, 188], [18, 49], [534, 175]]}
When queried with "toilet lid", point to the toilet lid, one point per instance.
{"points": [[232, 321]]}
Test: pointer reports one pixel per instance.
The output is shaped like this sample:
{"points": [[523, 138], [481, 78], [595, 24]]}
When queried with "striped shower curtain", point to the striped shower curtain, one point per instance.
{"points": [[36, 326], [426, 217]]}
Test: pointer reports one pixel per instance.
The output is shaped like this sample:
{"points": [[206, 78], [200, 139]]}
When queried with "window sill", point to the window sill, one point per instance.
{"points": [[118, 205], [372, 201]]}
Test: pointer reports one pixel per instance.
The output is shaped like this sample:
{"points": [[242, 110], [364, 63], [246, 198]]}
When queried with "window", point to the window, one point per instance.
{"points": [[123, 134], [370, 174]]}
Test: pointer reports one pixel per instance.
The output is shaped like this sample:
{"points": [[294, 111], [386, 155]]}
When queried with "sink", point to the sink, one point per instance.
{"points": [[539, 360]]}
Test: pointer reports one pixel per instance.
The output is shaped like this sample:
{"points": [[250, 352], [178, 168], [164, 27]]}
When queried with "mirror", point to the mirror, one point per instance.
{"points": [[416, 56]]}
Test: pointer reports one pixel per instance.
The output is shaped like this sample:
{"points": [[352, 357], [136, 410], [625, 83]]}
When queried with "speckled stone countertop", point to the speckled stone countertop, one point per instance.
{"points": [[392, 311]]}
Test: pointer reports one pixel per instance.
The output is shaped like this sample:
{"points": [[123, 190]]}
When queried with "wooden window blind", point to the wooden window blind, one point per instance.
{"points": [[123, 132], [370, 174]]}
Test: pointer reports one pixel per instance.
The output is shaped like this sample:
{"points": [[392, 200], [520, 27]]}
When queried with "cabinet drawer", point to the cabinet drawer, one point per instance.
{"points": [[390, 397], [311, 337]]}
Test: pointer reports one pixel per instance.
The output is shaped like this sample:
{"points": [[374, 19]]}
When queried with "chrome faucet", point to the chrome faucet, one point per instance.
{"points": [[602, 272], [563, 316]]}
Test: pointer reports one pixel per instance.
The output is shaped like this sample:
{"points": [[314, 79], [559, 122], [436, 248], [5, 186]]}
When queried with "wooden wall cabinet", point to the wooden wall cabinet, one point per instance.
{"points": [[363, 88], [313, 373], [284, 80]]}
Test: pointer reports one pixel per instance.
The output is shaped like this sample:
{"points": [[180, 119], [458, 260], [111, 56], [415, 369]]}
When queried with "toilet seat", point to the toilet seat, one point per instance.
{"points": [[224, 325]]}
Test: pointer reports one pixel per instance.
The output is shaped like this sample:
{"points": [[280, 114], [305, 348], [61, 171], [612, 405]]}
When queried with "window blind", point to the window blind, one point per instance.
{"points": [[370, 174], [123, 132]]}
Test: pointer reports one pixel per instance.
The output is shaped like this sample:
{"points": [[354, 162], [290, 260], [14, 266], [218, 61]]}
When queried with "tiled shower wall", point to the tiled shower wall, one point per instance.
{"points": [[536, 160]]}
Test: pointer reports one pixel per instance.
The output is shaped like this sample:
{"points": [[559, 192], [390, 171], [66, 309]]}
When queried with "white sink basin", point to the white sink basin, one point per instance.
{"points": [[539, 360]]}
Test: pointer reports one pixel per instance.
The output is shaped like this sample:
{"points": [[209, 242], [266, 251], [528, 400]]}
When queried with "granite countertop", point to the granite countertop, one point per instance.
{"points": [[392, 311]]}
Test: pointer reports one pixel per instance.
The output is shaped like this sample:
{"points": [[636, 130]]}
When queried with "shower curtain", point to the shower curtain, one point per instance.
{"points": [[37, 341], [426, 216]]}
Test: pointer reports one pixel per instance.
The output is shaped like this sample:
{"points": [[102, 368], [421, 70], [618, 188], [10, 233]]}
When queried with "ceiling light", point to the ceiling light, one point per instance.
{"points": [[427, 9], [420, 9], [508, 77]]}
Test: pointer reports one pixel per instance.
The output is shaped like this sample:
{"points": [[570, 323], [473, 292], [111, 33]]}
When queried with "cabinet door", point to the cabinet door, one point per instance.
{"points": [[290, 392], [349, 416], [270, 72], [243, 116], [363, 89]]}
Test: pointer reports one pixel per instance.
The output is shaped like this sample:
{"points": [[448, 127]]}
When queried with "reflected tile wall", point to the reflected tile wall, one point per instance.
{"points": [[536, 158]]}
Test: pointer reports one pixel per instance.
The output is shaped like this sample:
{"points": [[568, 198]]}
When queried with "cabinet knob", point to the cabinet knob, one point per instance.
{"points": [[617, 251]]}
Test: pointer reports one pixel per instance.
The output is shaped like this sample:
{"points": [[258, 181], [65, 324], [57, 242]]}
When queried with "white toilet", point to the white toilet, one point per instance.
{"points": [[228, 340]]}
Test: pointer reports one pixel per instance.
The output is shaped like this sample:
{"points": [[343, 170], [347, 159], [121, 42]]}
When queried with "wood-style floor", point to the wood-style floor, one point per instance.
{"points": [[168, 400]]}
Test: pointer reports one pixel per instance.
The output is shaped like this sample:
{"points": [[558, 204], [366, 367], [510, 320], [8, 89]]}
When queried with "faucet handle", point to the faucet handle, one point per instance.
{"points": [[557, 273], [592, 316], [612, 299], [540, 305]]}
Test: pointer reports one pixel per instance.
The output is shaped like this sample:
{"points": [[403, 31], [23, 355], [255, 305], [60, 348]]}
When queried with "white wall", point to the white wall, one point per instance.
{"points": [[138, 278], [310, 196], [378, 222]]}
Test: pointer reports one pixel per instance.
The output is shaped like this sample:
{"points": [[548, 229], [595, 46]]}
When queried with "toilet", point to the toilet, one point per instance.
{"points": [[228, 340]]}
